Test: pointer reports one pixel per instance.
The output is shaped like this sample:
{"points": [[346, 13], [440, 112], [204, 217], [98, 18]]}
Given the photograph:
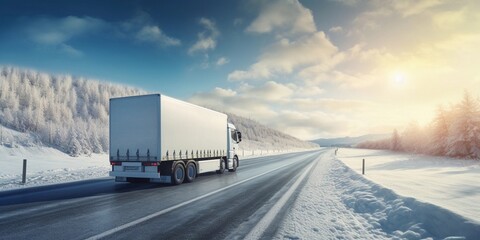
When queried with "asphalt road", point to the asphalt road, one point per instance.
{"points": [[226, 206]]}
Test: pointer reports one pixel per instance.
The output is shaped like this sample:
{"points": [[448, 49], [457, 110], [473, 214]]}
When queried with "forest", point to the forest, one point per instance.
{"points": [[61, 111], [454, 132]]}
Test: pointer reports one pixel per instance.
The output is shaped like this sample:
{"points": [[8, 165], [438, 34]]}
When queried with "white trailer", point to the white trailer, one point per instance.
{"points": [[162, 139]]}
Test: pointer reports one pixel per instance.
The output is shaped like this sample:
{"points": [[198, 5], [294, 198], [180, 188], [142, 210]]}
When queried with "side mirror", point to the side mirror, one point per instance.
{"points": [[239, 134]]}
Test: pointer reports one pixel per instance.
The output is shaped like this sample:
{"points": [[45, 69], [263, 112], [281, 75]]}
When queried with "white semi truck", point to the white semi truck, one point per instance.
{"points": [[162, 139]]}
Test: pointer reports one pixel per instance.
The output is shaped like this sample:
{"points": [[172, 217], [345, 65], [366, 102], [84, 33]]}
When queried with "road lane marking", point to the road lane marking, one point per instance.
{"points": [[264, 223], [164, 211]]}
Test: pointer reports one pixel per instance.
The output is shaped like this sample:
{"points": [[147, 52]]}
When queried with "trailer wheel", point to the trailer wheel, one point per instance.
{"points": [[178, 174], [222, 166], [235, 164], [191, 172]]}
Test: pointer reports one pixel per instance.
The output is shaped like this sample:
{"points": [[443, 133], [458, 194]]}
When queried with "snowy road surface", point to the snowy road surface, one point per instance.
{"points": [[308, 195]]}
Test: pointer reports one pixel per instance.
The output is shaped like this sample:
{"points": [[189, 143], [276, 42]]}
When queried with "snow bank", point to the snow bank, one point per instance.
{"points": [[338, 203], [450, 183], [47, 166]]}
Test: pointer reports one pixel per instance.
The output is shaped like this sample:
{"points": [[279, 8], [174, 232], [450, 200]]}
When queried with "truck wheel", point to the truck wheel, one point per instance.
{"points": [[222, 167], [235, 164], [191, 172], [178, 174]]}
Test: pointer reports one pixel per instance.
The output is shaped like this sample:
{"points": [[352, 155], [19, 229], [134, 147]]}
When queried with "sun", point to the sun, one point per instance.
{"points": [[399, 78]]}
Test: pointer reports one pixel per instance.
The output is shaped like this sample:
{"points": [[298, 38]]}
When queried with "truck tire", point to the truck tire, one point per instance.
{"points": [[178, 174], [190, 172], [235, 164], [222, 166]]}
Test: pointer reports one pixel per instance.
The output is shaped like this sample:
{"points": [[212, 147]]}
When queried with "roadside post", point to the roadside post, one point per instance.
{"points": [[24, 175], [363, 166]]}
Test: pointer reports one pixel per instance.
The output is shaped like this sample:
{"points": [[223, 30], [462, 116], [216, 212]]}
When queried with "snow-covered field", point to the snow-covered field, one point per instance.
{"points": [[339, 203], [453, 184]]}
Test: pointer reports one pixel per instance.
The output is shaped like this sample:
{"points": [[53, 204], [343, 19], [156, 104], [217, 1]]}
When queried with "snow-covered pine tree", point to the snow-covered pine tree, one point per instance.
{"points": [[439, 139], [464, 138], [395, 141], [74, 146]]}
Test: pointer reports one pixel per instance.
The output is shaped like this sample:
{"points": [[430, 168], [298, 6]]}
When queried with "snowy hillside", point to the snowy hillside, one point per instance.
{"points": [[258, 136], [71, 114], [68, 113]]}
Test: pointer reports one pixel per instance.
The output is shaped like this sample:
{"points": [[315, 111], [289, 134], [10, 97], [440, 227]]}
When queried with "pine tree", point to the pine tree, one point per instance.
{"points": [[441, 125], [465, 133], [74, 146], [395, 141]]}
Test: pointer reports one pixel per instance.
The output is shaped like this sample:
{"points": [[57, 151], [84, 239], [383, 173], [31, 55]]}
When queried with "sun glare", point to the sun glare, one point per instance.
{"points": [[399, 78]]}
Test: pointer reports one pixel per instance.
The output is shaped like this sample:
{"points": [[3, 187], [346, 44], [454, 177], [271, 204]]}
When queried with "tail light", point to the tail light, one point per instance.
{"points": [[150, 163], [116, 163]]}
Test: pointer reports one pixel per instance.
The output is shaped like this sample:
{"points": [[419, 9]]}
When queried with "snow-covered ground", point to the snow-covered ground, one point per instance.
{"points": [[453, 184], [47, 166], [339, 203]]}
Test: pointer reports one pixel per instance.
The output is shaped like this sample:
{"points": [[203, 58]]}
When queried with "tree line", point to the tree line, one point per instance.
{"points": [[454, 132]]}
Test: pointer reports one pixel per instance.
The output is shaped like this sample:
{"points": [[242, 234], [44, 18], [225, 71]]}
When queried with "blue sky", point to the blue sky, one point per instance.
{"points": [[310, 68]]}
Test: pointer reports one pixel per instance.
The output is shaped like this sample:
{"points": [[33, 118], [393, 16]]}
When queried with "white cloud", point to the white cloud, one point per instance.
{"points": [[230, 101], [347, 2], [207, 40], [312, 124], [285, 56], [143, 29], [270, 91], [335, 29], [405, 8], [56, 32], [70, 50], [414, 7], [288, 15], [237, 21], [344, 105], [154, 34], [371, 19], [222, 61], [210, 25], [203, 44], [309, 91], [379, 14], [449, 19]]}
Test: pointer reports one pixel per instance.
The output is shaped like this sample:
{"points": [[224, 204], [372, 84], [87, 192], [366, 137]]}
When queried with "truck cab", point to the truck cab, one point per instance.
{"points": [[234, 137]]}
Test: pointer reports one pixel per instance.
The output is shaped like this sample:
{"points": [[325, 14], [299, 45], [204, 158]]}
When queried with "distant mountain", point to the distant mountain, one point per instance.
{"points": [[71, 114], [349, 141]]}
